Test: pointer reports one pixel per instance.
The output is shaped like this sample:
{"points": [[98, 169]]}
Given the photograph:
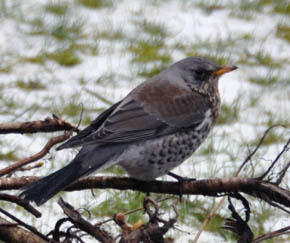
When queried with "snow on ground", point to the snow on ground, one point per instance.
{"points": [[189, 25]]}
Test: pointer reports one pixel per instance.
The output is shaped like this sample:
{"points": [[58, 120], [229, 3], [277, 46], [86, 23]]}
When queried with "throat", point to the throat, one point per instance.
{"points": [[216, 104]]}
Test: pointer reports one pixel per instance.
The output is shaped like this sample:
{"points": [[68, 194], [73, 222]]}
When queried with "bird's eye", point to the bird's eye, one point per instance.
{"points": [[200, 75]]}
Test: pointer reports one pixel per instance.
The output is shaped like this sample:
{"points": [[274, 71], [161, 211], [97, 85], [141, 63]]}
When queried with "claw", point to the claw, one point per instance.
{"points": [[180, 180]]}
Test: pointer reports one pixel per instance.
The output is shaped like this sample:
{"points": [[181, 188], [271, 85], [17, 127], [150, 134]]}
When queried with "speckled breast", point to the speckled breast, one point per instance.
{"points": [[153, 158]]}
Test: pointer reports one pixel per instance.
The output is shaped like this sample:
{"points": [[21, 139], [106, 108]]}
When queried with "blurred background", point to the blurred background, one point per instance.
{"points": [[64, 56]]}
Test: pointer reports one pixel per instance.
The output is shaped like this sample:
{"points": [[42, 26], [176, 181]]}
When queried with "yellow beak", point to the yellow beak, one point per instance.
{"points": [[223, 70]]}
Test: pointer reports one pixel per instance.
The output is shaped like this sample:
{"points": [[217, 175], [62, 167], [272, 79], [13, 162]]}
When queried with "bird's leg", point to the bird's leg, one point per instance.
{"points": [[181, 180]]}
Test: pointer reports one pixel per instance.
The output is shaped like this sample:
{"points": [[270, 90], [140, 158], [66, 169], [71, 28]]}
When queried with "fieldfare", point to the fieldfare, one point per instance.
{"points": [[157, 126]]}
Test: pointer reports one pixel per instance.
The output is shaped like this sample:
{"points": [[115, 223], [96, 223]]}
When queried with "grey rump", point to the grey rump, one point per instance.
{"points": [[153, 129]]}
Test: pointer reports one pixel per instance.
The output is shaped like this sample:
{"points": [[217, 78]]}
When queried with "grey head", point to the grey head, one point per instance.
{"points": [[200, 73]]}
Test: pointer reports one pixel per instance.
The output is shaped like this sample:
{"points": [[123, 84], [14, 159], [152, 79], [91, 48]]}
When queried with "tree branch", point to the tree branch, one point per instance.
{"points": [[47, 125], [29, 227], [10, 232], [21, 202], [75, 217], [36, 156], [261, 189]]}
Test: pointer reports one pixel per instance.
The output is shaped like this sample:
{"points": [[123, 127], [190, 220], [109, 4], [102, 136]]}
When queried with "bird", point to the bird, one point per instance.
{"points": [[154, 129]]}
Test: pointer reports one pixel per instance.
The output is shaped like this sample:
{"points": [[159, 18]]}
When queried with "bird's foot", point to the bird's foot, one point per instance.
{"points": [[181, 180]]}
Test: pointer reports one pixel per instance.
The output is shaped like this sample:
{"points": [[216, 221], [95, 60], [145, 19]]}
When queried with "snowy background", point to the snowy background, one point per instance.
{"points": [[57, 56]]}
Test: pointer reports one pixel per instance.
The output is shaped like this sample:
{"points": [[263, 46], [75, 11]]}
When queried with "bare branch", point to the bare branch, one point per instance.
{"points": [[153, 231], [214, 187], [30, 228], [283, 231], [265, 190], [83, 224], [20, 202], [38, 165], [285, 148], [98, 96], [282, 173], [133, 211], [237, 224], [47, 125], [249, 157], [37, 156], [12, 233], [220, 203]]}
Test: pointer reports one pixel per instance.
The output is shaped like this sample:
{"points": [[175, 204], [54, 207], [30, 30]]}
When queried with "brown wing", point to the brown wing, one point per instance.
{"points": [[175, 105], [148, 112], [93, 127], [128, 123]]}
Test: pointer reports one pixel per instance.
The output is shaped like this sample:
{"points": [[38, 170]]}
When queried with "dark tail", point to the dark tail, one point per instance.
{"points": [[44, 189], [88, 160]]}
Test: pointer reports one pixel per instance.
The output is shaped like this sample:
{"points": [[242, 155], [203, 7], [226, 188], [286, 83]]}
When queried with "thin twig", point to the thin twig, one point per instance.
{"points": [[20, 202], [36, 156], [38, 165], [220, 203], [275, 160], [83, 224], [81, 115], [132, 211], [100, 97], [31, 228], [282, 174], [47, 125], [256, 149], [285, 230]]}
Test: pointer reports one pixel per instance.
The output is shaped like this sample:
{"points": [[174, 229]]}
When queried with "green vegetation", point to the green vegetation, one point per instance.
{"points": [[210, 6], [153, 52], [148, 51], [56, 8], [283, 31], [6, 67], [62, 34], [121, 202], [228, 114], [207, 150], [30, 85], [9, 156], [258, 5], [154, 30], [116, 170], [268, 80], [113, 35], [38, 59], [266, 60], [260, 58], [278, 6], [150, 72], [194, 213], [71, 109], [65, 57], [282, 7], [96, 3], [260, 215], [62, 29], [270, 139]]}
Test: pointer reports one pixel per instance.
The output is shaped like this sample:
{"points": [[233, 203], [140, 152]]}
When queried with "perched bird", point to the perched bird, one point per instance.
{"points": [[157, 126]]}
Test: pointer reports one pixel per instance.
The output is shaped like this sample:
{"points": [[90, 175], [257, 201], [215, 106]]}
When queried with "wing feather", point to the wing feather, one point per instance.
{"points": [[149, 111]]}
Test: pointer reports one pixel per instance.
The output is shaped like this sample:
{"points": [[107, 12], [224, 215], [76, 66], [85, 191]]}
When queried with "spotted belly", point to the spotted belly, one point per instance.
{"points": [[156, 157]]}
